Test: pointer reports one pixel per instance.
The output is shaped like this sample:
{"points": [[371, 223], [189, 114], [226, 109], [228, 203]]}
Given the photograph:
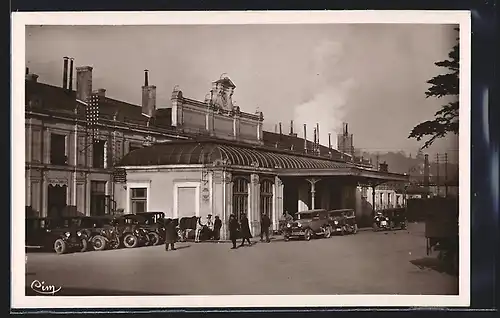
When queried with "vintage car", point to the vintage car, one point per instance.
{"points": [[397, 218], [131, 232], [59, 235], [343, 221], [154, 223], [100, 232], [381, 222], [308, 224]]}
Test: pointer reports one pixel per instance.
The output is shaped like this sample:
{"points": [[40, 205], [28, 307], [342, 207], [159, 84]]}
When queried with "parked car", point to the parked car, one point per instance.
{"points": [[308, 224], [154, 223], [59, 235], [343, 221], [131, 232], [397, 218], [380, 222], [100, 232]]}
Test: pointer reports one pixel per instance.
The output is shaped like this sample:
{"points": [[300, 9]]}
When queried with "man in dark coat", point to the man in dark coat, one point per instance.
{"points": [[217, 227], [170, 234], [265, 223], [245, 230], [234, 228]]}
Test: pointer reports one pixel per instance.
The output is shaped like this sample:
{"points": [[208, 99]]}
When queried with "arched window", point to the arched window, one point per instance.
{"points": [[240, 197], [266, 197]]}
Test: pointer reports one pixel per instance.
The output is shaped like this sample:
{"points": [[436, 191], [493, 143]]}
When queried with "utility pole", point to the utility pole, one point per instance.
{"points": [[446, 174], [437, 172]]}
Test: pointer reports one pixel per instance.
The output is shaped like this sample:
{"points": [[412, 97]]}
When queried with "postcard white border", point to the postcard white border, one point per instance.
{"points": [[21, 19]]}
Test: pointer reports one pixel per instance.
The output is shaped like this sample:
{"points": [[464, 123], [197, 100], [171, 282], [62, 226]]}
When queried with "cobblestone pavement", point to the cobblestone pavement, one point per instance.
{"points": [[365, 263]]}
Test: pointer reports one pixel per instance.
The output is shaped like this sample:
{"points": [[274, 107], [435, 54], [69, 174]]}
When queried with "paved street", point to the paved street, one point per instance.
{"points": [[365, 263]]}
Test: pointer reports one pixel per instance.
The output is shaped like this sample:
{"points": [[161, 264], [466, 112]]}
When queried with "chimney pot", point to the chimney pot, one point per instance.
{"points": [[148, 97], [280, 128], [146, 78], [70, 87], [100, 92], [291, 127], [65, 72]]}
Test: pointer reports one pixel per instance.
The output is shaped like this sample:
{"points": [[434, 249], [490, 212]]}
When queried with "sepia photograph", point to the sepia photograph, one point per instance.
{"points": [[234, 155]]}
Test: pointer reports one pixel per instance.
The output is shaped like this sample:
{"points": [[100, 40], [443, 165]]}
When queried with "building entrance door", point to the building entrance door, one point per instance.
{"points": [[56, 200]]}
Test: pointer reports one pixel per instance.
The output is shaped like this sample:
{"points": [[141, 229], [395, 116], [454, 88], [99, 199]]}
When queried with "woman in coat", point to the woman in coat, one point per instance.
{"points": [[245, 230], [170, 234], [234, 227]]}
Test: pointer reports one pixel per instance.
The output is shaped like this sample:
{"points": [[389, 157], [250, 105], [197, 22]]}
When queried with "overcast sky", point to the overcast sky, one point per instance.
{"points": [[372, 76]]}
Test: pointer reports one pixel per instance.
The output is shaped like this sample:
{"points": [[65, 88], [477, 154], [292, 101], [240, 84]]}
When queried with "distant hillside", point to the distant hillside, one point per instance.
{"points": [[400, 163]]}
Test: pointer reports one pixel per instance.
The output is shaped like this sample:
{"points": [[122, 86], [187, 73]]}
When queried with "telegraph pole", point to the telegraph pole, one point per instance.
{"points": [[437, 177], [446, 174]]}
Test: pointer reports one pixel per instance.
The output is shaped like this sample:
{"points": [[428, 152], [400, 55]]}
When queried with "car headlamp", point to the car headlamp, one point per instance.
{"points": [[79, 233], [67, 234], [335, 222], [299, 225], [288, 225]]}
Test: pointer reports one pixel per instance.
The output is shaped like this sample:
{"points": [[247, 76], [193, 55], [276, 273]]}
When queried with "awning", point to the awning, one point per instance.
{"points": [[239, 155]]}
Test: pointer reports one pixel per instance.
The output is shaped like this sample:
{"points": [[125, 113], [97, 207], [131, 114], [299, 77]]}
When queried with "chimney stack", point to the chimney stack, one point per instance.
{"points": [[317, 132], [275, 128], [305, 138], [148, 97], [314, 139], [291, 127], [70, 87], [330, 140], [280, 129], [84, 82], [65, 72]]}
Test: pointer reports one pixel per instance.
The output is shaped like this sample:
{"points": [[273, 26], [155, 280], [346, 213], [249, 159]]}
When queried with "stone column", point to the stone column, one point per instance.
{"points": [[227, 183], [278, 202], [254, 204], [313, 182], [43, 208], [373, 200]]}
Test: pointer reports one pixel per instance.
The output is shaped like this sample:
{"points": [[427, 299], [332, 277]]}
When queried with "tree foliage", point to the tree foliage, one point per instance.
{"points": [[446, 119]]}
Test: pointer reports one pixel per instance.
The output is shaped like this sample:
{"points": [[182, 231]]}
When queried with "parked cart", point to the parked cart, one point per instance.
{"points": [[441, 230]]}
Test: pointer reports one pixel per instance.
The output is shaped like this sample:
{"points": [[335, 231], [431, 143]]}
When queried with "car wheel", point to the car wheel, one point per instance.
{"points": [[286, 238], [355, 230], [308, 235], [342, 232], [60, 246], [130, 241], [99, 243], [328, 232], [404, 225], [391, 225], [154, 238], [375, 227], [85, 245]]}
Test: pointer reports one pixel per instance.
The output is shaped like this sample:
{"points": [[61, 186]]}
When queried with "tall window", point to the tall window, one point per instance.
{"points": [[139, 200], [389, 200], [97, 197], [266, 198], [58, 149], [240, 197], [98, 149], [381, 200]]}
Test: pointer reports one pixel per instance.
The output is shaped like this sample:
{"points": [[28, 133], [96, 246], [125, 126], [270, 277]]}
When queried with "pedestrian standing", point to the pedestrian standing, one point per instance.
{"points": [[265, 223], [234, 228], [170, 234], [199, 229], [209, 226], [245, 230], [217, 227]]}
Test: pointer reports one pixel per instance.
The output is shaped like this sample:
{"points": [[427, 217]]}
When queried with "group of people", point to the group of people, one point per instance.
{"points": [[241, 229], [210, 229]]}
